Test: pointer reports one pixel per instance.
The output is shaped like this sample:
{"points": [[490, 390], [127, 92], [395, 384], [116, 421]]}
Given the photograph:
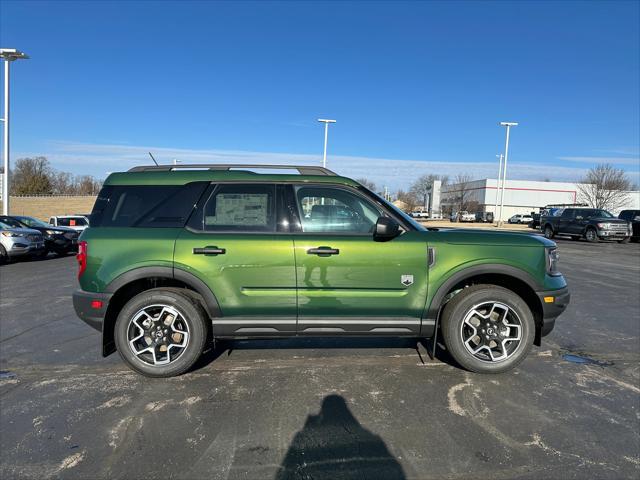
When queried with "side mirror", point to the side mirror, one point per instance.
{"points": [[386, 229]]}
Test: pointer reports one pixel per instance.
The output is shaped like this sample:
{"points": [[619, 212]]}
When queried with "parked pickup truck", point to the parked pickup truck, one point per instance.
{"points": [[591, 223]]}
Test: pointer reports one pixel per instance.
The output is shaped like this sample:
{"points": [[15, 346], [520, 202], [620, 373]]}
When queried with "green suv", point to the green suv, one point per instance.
{"points": [[177, 256]]}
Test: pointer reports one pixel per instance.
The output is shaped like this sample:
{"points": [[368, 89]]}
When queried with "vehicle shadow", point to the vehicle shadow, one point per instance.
{"points": [[334, 445], [422, 347]]}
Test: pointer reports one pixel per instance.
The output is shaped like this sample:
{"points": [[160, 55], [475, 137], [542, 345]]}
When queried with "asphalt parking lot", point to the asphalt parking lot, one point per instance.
{"points": [[324, 408]]}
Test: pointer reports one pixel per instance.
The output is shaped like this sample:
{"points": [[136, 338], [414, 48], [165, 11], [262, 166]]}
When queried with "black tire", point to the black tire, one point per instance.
{"points": [[463, 304], [548, 231], [591, 235], [625, 240], [4, 258], [190, 313]]}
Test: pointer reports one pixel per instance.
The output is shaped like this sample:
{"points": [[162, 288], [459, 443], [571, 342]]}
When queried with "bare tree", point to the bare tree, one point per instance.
{"points": [[32, 176], [421, 188], [605, 187], [367, 183], [63, 183], [408, 198], [87, 185], [462, 191]]}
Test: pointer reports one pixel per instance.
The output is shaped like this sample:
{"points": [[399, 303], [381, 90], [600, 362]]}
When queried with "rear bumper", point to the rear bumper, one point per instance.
{"points": [[92, 315], [553, 302]]}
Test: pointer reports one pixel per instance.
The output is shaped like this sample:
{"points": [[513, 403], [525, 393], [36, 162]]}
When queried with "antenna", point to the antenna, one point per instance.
{"points": [[154, 160]]}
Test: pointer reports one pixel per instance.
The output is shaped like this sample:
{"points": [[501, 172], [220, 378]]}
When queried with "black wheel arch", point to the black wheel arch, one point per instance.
{"points": [[520, 282], [133, 282]]}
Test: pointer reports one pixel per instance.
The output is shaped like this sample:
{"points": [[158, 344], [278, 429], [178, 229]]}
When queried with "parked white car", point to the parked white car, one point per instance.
{"points": [[79, 223], [526, 218], [463, 216], [420, 214]]}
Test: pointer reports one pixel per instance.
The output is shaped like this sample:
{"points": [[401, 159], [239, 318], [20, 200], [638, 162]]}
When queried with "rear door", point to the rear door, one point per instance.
{"points": [[566, 220], [239, 245], [347, 282]]}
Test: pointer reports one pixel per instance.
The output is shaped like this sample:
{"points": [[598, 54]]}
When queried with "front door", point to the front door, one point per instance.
{"points": [[236, 243], [347, 282]]}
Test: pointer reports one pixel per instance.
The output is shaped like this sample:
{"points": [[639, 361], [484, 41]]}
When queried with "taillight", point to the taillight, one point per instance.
{"points": [[82, 257]]}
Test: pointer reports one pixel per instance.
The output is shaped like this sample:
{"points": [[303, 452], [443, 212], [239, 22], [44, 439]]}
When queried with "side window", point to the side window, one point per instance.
{"points": [[334, 210], [237, 208], [145, 205]]}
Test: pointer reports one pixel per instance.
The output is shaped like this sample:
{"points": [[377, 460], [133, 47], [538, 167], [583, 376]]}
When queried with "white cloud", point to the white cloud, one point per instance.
{"points": [[98, 159], [596, 160]]}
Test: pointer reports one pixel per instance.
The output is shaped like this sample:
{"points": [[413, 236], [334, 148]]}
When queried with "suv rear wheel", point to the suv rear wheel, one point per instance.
{"points": [[488, 329], [161, 333]]}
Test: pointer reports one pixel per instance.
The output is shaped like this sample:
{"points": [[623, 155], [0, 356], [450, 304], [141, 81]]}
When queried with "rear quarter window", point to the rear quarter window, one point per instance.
{"points": [[150, 206]]}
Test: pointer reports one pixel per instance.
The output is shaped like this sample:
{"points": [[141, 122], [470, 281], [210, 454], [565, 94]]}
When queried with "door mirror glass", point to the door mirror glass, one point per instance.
{"points": [[386, 229]]}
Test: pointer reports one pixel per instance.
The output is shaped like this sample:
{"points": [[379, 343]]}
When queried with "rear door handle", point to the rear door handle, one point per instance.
{"points": [[323, 251], [209, 251]]}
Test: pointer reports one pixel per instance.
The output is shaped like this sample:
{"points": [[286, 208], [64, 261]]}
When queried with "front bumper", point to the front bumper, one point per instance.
{"points": [[554, 302], [59, 243], [85, 305], [618, 234]]}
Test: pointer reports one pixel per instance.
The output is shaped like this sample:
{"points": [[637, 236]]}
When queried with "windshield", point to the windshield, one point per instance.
{"points": [[4, 226], [33, 222], [11, 223], [599, 214], [399, 212]]}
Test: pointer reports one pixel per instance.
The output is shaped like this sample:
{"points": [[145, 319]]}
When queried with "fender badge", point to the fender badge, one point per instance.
{"points": [[406, 280]]}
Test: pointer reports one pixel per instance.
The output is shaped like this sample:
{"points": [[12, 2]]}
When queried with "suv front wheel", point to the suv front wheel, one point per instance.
{"points": [[488, 329], [161, 333]]}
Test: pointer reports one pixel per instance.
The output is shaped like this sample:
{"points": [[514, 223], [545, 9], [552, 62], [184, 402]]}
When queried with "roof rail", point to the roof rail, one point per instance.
{"points": [[302, 169]]}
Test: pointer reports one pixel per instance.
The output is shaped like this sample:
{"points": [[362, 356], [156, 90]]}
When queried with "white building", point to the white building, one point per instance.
{"points": [[520, 196]]}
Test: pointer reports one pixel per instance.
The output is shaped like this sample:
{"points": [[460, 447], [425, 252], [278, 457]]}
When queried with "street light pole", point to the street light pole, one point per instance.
{"points": [[504, 171], [326, 137], [495, 210], [9, 55]]}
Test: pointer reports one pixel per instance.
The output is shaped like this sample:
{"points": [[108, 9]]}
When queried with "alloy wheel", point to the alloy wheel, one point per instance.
{"points": [[158, 334], [491, 331]]}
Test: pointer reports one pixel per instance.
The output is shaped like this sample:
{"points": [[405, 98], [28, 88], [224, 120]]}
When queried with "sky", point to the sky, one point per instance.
{"points": [[415, 87]]}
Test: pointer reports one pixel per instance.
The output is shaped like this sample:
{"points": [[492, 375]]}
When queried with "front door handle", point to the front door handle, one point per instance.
{"points": [[209, 251], [323, 251]]}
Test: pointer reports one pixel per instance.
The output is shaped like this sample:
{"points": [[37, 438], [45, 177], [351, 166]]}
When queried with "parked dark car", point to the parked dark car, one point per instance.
{"points": [[535, 221], [484, 217], [59, 240], [632, 216], [594, 224]]}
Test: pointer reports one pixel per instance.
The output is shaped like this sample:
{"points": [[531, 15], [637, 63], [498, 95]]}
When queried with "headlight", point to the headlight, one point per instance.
{"points": [[13, 234], [552, 261], [51, 232], [605, 226]]}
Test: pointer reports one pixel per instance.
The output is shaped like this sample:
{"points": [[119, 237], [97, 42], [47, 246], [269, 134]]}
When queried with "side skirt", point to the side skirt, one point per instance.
{"points": [[321, 326]]}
